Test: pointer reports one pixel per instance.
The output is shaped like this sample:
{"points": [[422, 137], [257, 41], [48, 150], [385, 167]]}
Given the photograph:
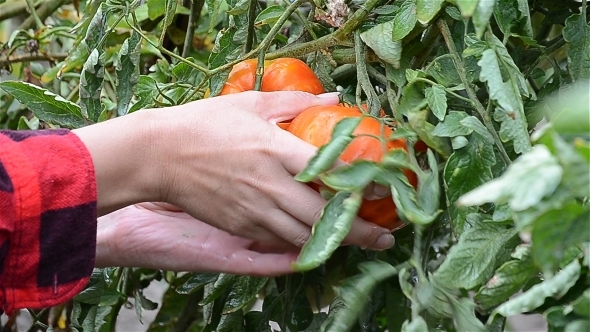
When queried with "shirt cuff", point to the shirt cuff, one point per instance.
{"points": [[49, 236]]}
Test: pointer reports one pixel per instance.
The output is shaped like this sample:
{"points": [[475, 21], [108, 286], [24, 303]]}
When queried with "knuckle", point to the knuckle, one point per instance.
{"points": [[301, 238]]}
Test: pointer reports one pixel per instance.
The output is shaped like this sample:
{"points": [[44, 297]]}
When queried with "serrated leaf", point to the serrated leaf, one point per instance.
{"points": [[472, 260], [404, 21], [244, 289], [355, 293], [474, 123], [437, 100], [378, 39], [577, 35], [555, 231], [427, 9], [467, 169], [511, 112], [353, 177], [482, 15], [91, 81], [46, 105], [145, 91], [508, 279], [533, 298], [127, 72], [527, 180], [329, 153], [223, 282], [451, 126], [269, 15], [329, 232]]}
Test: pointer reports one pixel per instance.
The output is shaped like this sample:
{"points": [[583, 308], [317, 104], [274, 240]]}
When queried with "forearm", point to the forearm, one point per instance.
{"points": [[124, 158]]}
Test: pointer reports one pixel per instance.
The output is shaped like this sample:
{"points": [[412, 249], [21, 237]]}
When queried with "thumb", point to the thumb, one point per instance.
{"points": [[286, 105]]}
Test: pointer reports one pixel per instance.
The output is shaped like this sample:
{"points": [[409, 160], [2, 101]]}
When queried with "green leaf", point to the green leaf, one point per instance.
{"points": [[533, 298], [91, 81], [418, 122], [556, 231], [270, 15], [232, 322], [46, 105], [465, 170], [451, 126], [417, 324], [224, 51], [26, 124], [196, 282], [213, 11], [578, 325], [577, 35], [353, 177], [223, 282], [329, 232], [240, 7], [482, 15], [475, 124], [513, 18], [156, 8], [329, 153], [378, 39], [511, 111], [527, 180], [568, 109], [473, 259], [508, 279], [426, 10], [243, 290], [581, 306], [141, 302], [404, 21], [145, 91], [437, 100], [467, 7], [127, 72], [355, 293], [464, 316]]}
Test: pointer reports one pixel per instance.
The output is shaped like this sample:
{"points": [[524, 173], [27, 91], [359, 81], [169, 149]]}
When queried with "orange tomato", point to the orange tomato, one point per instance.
{"points": [[315, 126], [283, 74]]}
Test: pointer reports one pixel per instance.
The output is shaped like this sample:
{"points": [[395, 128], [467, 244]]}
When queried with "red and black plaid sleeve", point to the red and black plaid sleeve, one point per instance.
{"points": [[47, 218]]}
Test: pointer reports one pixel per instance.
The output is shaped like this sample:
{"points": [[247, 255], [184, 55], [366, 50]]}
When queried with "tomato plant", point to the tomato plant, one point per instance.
{"points": [[490, 96]]}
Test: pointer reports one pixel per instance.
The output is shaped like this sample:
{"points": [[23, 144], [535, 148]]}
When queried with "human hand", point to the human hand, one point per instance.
{"points": [[222, 160], [161, 236]]}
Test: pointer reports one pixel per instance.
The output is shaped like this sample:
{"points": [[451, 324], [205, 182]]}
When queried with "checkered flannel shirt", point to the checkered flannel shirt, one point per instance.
{"points": [[47, 218]]}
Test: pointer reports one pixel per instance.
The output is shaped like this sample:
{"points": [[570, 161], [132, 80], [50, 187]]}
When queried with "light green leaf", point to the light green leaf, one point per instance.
{"points": [[419, 123], [378, 38], [244, 289], [328, 233], [507, 94], [467, 7], [353, 177], [474, 123], [224, 51], [215, 290], [329, 153], [581, 305], [46, 105], [577, 35], [91, 81], [437, 100], [169, 13], [213, 11], [127, 72], [270, 15], [533, 298], [146, 91], [482, 15], [472, 260], [531, 177], [240, 7], [156, 8], [405, 20], [196, 282], [427, 9], [464, 316], [417, 324], [508, 279], [26, 124], [452, 126]]}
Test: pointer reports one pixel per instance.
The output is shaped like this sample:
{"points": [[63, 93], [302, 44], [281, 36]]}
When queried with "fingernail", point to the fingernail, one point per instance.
{"points": [[381, 191], [329, 95], [385, 241]]}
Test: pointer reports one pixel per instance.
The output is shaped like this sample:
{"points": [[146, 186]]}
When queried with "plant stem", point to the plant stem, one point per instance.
{"points": [[33, 12], [335, 38], [44, 11], [460, 66], [251, 32], [31, 57], [193, 19], [11, 9]]}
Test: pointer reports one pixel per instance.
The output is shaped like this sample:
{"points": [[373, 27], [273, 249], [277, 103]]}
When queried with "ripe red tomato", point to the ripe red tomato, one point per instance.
{"points": [[315, 126], [283, 74]]}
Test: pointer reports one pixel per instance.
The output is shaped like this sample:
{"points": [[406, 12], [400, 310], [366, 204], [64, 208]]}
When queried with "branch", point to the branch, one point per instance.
{"points": [[460, 66], [31, 57], [44, 11], [11, 9], [193, 19]]}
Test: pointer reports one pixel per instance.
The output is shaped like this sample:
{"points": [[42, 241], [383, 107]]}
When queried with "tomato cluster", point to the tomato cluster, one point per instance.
{"points": [[315, 125]]}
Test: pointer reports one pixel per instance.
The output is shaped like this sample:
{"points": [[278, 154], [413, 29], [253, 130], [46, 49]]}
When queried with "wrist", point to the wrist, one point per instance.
{"points": [[123, 155]]}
